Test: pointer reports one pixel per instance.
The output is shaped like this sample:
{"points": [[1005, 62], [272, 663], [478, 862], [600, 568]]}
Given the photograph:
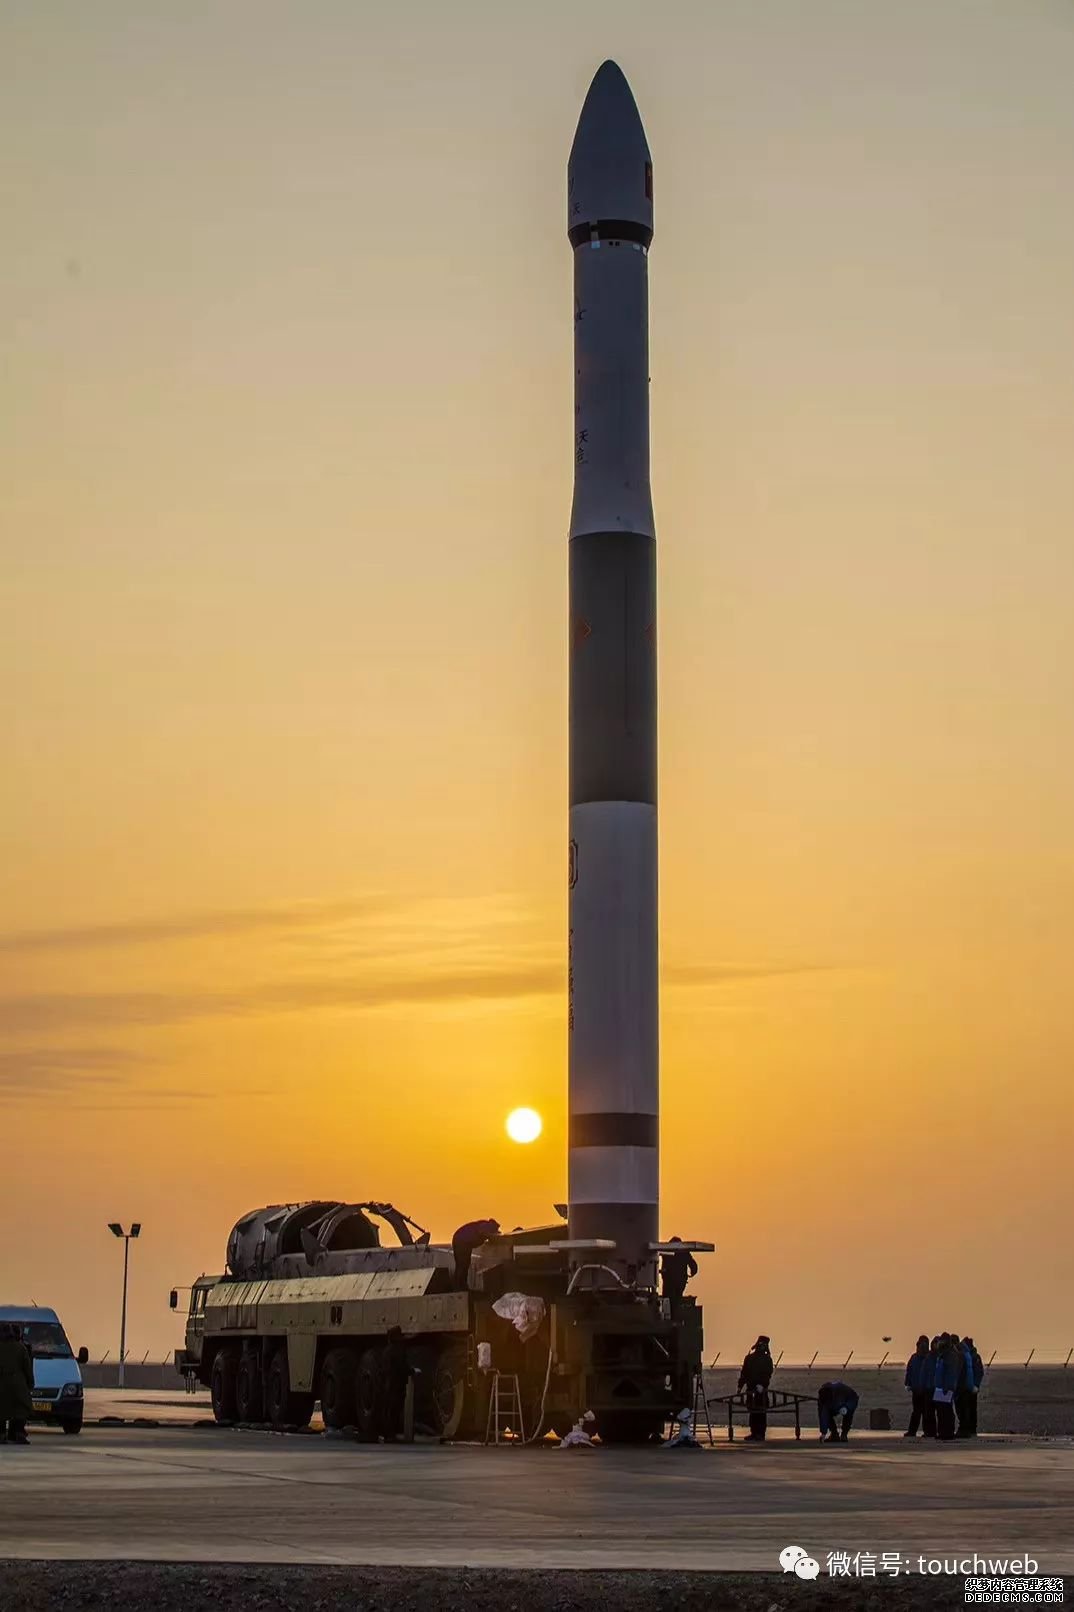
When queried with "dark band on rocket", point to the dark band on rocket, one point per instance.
{"points": [[613, 668], [614, 1130], [610, 229]]}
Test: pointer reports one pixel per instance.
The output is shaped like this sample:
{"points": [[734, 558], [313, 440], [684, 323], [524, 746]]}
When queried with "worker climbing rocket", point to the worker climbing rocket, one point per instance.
{"points": [[613, 983]]}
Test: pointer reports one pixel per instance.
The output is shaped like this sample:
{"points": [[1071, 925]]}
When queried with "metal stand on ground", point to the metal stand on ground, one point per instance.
{"points": [[504, 1424], [701, 1406], [775, 1401]]}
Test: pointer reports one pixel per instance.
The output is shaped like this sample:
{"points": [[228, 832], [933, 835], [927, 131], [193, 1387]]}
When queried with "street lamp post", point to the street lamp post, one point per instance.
{"points": [[117, 1231]]}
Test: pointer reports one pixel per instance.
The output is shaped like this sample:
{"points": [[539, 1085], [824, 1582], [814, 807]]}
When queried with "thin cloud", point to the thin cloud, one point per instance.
{"points": [[726, 974], [303, 915], [33, 1064], [39, 1071], [94, 1077], [49, 1012]]}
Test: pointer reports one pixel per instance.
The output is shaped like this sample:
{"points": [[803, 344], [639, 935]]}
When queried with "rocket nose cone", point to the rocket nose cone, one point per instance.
{"points": [[609, 173], [609, 92]]}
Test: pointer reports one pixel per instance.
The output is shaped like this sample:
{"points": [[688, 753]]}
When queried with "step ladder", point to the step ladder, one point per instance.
{"points": [[701, 1406], [504, 1424]]}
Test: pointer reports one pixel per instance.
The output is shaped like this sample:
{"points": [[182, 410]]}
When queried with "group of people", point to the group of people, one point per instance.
{"points": [[16, 1385], [944, 1378]]}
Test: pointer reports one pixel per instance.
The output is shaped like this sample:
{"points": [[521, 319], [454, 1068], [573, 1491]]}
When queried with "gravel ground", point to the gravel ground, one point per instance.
{"points": [[43, 1586]]}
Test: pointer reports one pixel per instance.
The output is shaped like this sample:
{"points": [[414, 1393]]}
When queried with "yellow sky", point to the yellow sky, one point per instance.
{"points": [[284, 482]]}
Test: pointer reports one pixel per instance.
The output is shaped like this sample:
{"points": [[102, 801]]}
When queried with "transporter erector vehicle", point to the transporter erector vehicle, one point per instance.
{"points": [[310, 1293]]}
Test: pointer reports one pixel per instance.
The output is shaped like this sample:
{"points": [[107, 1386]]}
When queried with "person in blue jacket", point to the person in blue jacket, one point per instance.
{"points": [[966, 1394], [834, 1400], [949, 1369], [920, 1381]]}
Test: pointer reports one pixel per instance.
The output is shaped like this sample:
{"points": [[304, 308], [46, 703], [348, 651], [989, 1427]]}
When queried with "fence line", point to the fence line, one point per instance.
{"points": [[892, 1362]]}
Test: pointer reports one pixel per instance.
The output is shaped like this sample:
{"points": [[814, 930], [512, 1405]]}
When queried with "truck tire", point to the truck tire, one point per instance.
{"points": [[337, 1387], [249, 1389], [222, 1384], [448, 1391], [369, 1397], [72, 1427], [283, 1407]]}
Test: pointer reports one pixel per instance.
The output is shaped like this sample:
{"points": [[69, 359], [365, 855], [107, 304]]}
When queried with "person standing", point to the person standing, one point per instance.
{"points": [[834, 1400], [934, 1360], [675, 1271], [965, 1380], [397, 1374], [921, 1380], [753, 1381], [16, 1385], [949, 1366], [969, 1387]]}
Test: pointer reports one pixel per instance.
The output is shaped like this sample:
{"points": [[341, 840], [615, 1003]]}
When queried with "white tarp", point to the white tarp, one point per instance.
{"points": [[523, 1311]]}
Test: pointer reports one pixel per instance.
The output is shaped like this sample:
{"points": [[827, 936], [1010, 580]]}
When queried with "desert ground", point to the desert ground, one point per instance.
{"points": [[154, 1505]]}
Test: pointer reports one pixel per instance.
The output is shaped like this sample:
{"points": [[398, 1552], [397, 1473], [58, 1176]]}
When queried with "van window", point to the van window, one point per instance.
{"points": [[46, 1339]]}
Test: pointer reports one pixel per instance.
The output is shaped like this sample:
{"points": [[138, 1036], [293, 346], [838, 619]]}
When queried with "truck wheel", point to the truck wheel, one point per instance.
{"points": [[222, 1384], [368, 1397], [337, 1387], [72, 1427], [449, 1392], [249, 1391], [283, 1407]]}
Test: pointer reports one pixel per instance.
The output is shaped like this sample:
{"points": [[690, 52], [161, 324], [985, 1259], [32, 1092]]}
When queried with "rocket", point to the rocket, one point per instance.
{"points": [[613, 1008]]}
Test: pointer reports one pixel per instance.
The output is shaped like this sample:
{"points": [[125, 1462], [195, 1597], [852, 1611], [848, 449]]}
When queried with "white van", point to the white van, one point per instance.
{"points": [[57, 1397]]}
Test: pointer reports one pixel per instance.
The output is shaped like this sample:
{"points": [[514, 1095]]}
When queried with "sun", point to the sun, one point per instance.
{"points": [[524, 1125]]}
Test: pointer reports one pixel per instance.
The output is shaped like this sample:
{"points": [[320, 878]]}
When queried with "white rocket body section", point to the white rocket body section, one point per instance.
{"points": [[611, 486]]}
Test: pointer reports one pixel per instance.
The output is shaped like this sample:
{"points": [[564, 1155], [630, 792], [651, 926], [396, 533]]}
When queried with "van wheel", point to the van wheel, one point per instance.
{"points": [[338, 1387], [283, 1407], [369, 1391], [249, 1390], [222, 1384], [72, 1427]]}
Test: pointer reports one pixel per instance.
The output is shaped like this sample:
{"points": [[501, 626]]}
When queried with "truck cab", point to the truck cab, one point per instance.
{"points": [[57, 1397], [188, 1359]]}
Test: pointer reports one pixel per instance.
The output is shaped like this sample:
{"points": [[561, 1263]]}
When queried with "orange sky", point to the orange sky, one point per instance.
{"points": [[284, 487]]}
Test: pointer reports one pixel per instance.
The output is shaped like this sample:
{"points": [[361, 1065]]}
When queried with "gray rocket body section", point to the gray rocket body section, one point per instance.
{"points": [[614, 1011]]}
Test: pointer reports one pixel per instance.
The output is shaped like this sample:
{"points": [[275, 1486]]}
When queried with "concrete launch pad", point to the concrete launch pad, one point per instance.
{"points": [[206, 1494]]}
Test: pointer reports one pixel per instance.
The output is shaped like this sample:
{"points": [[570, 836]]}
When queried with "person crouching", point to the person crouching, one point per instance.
{"points": [[835, 1400]]}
